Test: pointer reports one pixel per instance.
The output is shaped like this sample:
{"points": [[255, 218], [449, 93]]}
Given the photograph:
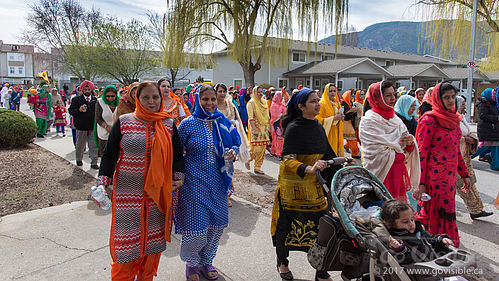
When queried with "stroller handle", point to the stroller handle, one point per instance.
{"points": [[331, 162]]}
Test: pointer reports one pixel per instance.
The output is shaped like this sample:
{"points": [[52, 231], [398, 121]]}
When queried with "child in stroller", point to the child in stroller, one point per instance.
{"points": [[408, 241]]}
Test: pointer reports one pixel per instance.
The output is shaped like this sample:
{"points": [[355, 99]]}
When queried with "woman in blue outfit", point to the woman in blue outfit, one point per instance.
{"points": [[201, 212], [244, 98], [488, 127]]}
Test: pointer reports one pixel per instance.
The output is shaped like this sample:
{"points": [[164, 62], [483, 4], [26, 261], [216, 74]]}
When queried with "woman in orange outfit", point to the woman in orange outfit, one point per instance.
{"points": [[143, 157]]}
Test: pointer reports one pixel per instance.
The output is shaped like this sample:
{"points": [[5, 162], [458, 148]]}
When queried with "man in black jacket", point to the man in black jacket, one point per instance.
{"points": [[83, 111]]}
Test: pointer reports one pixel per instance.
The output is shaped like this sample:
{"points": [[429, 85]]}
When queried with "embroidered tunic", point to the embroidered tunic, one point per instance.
{"points": [[202, 200], [138, 227]]}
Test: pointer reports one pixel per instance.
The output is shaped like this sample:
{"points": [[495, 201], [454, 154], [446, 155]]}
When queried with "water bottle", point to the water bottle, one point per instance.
{"points": [[100, 197], [229, 165], [425, 197], [342, 110]]}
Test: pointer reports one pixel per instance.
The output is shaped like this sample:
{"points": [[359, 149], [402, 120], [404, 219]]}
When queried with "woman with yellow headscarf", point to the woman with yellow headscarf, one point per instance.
{"points": [[332, 119], [258, 128]]}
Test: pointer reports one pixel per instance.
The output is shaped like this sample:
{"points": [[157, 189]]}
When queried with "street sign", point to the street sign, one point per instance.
{"points": [[471, 64]]}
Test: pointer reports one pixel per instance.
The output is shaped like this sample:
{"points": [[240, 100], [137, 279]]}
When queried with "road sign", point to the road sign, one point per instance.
{"points": [[471, 64]]}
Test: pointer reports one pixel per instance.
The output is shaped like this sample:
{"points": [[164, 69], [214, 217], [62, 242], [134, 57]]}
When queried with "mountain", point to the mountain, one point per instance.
{"points": [[398, 36]]}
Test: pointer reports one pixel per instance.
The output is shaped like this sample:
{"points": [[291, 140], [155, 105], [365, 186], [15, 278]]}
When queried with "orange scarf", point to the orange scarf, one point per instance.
{"points": [[158, 183]]}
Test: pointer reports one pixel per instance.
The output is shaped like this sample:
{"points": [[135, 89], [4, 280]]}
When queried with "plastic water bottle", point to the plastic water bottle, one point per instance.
{"points": [[425, 197], [100, 197], [229, 165]]}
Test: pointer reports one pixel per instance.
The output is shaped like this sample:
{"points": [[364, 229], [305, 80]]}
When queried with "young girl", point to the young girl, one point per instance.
{"points": [[60, 118], [408, 240]]}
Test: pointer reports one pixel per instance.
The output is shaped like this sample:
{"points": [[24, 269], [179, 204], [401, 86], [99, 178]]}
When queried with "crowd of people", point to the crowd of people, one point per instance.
{"points": [[165, 152]]}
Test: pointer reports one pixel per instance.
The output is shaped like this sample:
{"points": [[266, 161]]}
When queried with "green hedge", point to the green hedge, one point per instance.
{"points": [[16, 128]]}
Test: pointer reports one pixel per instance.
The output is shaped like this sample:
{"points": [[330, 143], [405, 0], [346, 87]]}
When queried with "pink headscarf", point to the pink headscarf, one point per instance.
{"points": [[277, 107]]}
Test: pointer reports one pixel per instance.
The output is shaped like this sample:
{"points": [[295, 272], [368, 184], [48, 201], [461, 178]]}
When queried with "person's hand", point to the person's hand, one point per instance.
{"points": [[406, 141], [350, 162], [469, 140], [320, 165], [232, 155], [467, 185], [339, 116], [448, 242], [418, 191], [177, 184], [83, 108], [352, 109], [394, 243]]}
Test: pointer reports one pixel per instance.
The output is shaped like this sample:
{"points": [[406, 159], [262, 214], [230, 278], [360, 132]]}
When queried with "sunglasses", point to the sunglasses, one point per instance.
{"points": [[113, 96]]}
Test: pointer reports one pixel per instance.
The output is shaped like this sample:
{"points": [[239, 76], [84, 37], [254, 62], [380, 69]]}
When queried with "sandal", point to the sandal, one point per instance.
{"points": [[205, 269], [286, 276], [191, 270]]}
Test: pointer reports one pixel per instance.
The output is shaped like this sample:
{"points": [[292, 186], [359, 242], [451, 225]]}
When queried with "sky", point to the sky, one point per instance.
{"points": [[362, 13]]}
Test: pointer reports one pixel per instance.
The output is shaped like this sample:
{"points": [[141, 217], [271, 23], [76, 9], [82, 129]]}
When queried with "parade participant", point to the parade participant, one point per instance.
{"points": [[277, 112], [258, 129], [16, 97], [60, 118], [173, 104], [388, 150], [488, 127], [331, 118], [420, 95], [144, 157], [244, 98], [126, 103], [349, 123], [104, 116], [426, 104], [299, 199], [285, 95], [55, 96], [229, 110], [438, 135], [43, 109], [405, 108], [4, 96], [9, 98], [202, 213], [468, 145], [64, 97], [82, 109]]}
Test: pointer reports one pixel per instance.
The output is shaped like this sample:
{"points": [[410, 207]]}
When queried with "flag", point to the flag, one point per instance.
{"points": [[43, 74]]}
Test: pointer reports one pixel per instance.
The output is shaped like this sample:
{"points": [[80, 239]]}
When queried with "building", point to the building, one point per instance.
{"points": [[16, 64], [346, 66]]}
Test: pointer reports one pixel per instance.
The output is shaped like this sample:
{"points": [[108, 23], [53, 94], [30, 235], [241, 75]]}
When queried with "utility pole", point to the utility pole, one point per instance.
{"points": [[471, 64]]}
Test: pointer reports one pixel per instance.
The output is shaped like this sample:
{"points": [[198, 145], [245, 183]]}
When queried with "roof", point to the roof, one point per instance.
{"points": [[493, 76], [335, 66], [413, 70], [27, 49], [459, 73]]}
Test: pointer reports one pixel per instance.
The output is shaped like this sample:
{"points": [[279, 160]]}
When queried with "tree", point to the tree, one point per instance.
{"points": [[260, 30], [124, 50], [158, 28], [64, 27], [449, 28]]}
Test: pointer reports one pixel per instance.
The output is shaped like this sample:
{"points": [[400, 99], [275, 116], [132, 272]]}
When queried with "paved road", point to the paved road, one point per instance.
{"points": [[70, 242]]}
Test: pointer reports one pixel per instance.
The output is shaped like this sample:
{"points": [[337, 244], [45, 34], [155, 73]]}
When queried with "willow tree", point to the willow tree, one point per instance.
{"points": [[449, 28], [251, 31], [181, 62]]}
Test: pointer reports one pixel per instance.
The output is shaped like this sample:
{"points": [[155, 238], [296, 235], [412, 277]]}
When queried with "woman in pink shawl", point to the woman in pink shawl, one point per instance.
{"points": [[277, 110]]}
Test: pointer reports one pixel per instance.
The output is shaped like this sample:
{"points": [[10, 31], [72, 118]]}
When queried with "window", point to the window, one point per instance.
{"points": [[238, 82], [317, 83], [358, 84], [20, 70], [12, 70], [389, 62], [20, 57], [397, 85], [11, 57], [307, 83], [339, 85], [413, 85], [282, 82], [327, 57], [298, 57]]}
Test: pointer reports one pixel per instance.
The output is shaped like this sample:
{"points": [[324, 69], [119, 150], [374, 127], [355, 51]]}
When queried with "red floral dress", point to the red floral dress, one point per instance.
{"points": [[441, 161]]}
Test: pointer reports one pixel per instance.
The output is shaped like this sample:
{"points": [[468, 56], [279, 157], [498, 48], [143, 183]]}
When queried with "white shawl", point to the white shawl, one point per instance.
{"points": [[380, 140]]}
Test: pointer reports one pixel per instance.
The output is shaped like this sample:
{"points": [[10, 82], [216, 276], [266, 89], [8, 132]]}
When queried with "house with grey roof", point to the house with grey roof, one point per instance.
{"points": [[316, 64], [16, 63]]}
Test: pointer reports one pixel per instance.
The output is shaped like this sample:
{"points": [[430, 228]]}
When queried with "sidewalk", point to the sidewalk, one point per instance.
{"points": [[70, 242]]}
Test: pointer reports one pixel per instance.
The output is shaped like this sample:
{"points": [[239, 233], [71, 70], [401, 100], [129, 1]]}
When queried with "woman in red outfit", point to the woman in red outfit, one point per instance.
{"points": [[388, 150], [438, 137]]}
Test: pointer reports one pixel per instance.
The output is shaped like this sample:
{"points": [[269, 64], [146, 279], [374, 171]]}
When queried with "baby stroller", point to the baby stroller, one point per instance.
{"points": [[345, 242]]}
